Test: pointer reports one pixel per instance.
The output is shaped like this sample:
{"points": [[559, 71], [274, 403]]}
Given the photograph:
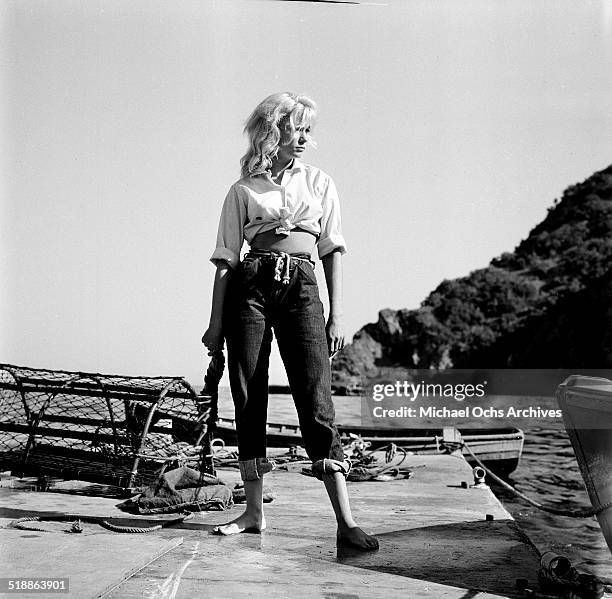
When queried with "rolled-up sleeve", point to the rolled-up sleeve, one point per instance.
{"points": [[331, 237], [231, 229]]}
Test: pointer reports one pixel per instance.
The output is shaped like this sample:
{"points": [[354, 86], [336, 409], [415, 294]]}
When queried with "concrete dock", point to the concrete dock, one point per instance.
{"points": [[435, 541]]}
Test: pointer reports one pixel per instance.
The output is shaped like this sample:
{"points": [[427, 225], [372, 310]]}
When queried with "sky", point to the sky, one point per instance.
{"points": [[449, 128]]}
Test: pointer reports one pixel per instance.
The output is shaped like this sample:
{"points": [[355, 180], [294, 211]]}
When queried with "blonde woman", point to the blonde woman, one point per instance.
{"points": [[283, 208]]}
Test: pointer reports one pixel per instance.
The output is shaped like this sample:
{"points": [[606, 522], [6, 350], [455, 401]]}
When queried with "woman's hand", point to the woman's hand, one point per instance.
{"points": [[335, 335], [213, 339]]}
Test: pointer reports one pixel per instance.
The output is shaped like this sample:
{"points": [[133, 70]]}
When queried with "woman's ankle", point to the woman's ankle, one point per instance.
{"points": [[254, 511], [345, 525]]}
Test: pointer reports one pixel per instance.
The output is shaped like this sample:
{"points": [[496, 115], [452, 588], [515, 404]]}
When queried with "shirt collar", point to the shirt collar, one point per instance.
{"points": [[296, 166]]}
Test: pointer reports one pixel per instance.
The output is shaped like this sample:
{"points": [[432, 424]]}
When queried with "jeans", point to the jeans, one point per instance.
{"points": [[256, 304]]}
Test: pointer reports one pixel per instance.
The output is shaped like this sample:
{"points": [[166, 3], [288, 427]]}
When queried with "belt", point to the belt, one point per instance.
{"points": [[282, 262]]}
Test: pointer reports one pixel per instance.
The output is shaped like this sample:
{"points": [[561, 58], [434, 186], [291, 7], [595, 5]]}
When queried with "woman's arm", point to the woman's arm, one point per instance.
{"points": [[225, 257], [332, 266], [213, 337]]}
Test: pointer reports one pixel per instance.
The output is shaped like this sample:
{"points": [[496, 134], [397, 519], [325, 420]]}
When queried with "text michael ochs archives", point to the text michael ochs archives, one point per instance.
{"points": [[407, 399]]}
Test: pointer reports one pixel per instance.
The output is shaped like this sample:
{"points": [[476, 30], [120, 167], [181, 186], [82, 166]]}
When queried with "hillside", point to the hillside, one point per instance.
{"points": [[547, 304]]}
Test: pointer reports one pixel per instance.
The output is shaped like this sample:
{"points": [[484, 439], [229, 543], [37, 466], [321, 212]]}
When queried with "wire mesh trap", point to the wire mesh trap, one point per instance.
{"points": [[111, 429]]}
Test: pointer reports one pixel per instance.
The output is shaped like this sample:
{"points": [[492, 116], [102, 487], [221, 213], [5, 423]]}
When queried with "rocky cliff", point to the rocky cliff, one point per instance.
{"points": [[547, 304]]}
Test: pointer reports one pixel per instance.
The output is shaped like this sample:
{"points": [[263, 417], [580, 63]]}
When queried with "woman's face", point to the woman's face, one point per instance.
{"points": [[293, 140]]}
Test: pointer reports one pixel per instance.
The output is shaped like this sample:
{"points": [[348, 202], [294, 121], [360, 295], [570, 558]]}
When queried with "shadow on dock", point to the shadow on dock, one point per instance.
{"points": [[476, 556]]}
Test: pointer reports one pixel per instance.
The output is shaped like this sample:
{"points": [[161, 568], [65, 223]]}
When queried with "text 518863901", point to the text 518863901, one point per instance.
{"points": [[34, 585]]}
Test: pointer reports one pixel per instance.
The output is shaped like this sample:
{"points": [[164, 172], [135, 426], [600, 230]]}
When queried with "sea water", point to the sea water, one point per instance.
{"points": [[548, 472]]}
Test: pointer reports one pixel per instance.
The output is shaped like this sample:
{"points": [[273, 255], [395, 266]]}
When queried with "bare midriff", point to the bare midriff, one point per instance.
{"points": [[297, 242]]}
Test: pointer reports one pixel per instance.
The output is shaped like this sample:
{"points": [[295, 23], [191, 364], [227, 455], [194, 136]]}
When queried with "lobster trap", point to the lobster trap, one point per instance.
{"points": [[111, 429]]}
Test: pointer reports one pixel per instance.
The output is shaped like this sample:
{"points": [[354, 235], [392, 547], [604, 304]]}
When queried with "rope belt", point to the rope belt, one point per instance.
{"points": [[282, 262]]}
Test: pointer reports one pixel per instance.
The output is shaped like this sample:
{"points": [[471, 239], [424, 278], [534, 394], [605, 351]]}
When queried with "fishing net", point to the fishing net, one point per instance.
{"points": [[113, 429]]}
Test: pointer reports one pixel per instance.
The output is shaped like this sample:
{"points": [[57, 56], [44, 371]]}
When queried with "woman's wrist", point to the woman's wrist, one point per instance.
{"points": [[215, 324]]}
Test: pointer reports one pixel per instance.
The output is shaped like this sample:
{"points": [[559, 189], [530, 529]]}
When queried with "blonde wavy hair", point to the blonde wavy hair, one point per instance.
{"points": [[278, 115]]}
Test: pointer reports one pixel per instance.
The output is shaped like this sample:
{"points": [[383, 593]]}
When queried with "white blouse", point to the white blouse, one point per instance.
{"points": [[305, 199]]}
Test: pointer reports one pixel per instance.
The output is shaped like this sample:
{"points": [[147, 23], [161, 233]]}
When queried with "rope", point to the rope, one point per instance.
{"points": [[103, 523], [19, 524], [363, 469], [588, 513], [283, 259], [282, 262], [129, 529]]}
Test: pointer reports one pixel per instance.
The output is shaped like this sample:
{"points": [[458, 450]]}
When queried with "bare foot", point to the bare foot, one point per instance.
{"points": [[244, 523], [357, 539]]}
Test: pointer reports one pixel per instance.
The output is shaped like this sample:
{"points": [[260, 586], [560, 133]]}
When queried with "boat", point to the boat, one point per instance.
{"points": [[499, 449], [586, 404]]}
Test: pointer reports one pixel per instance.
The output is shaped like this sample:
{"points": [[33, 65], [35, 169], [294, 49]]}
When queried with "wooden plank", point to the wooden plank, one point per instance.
{"points": [[64, 433], [116, 392], [93, 563]]}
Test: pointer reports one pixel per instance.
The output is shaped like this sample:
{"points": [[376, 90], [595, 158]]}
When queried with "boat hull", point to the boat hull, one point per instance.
{"points": [[498, 449], [586, 403]]}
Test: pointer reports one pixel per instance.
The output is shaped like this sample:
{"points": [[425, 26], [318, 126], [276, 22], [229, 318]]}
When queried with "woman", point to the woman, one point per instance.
{"points": [[282, 208]]}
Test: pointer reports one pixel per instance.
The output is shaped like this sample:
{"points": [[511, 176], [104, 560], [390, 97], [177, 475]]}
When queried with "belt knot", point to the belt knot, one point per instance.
{"points": [[282, 260]]}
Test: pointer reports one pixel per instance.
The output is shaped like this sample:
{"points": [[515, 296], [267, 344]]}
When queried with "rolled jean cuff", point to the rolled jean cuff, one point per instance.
{"points": [[255, 468], [329, 466]]}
